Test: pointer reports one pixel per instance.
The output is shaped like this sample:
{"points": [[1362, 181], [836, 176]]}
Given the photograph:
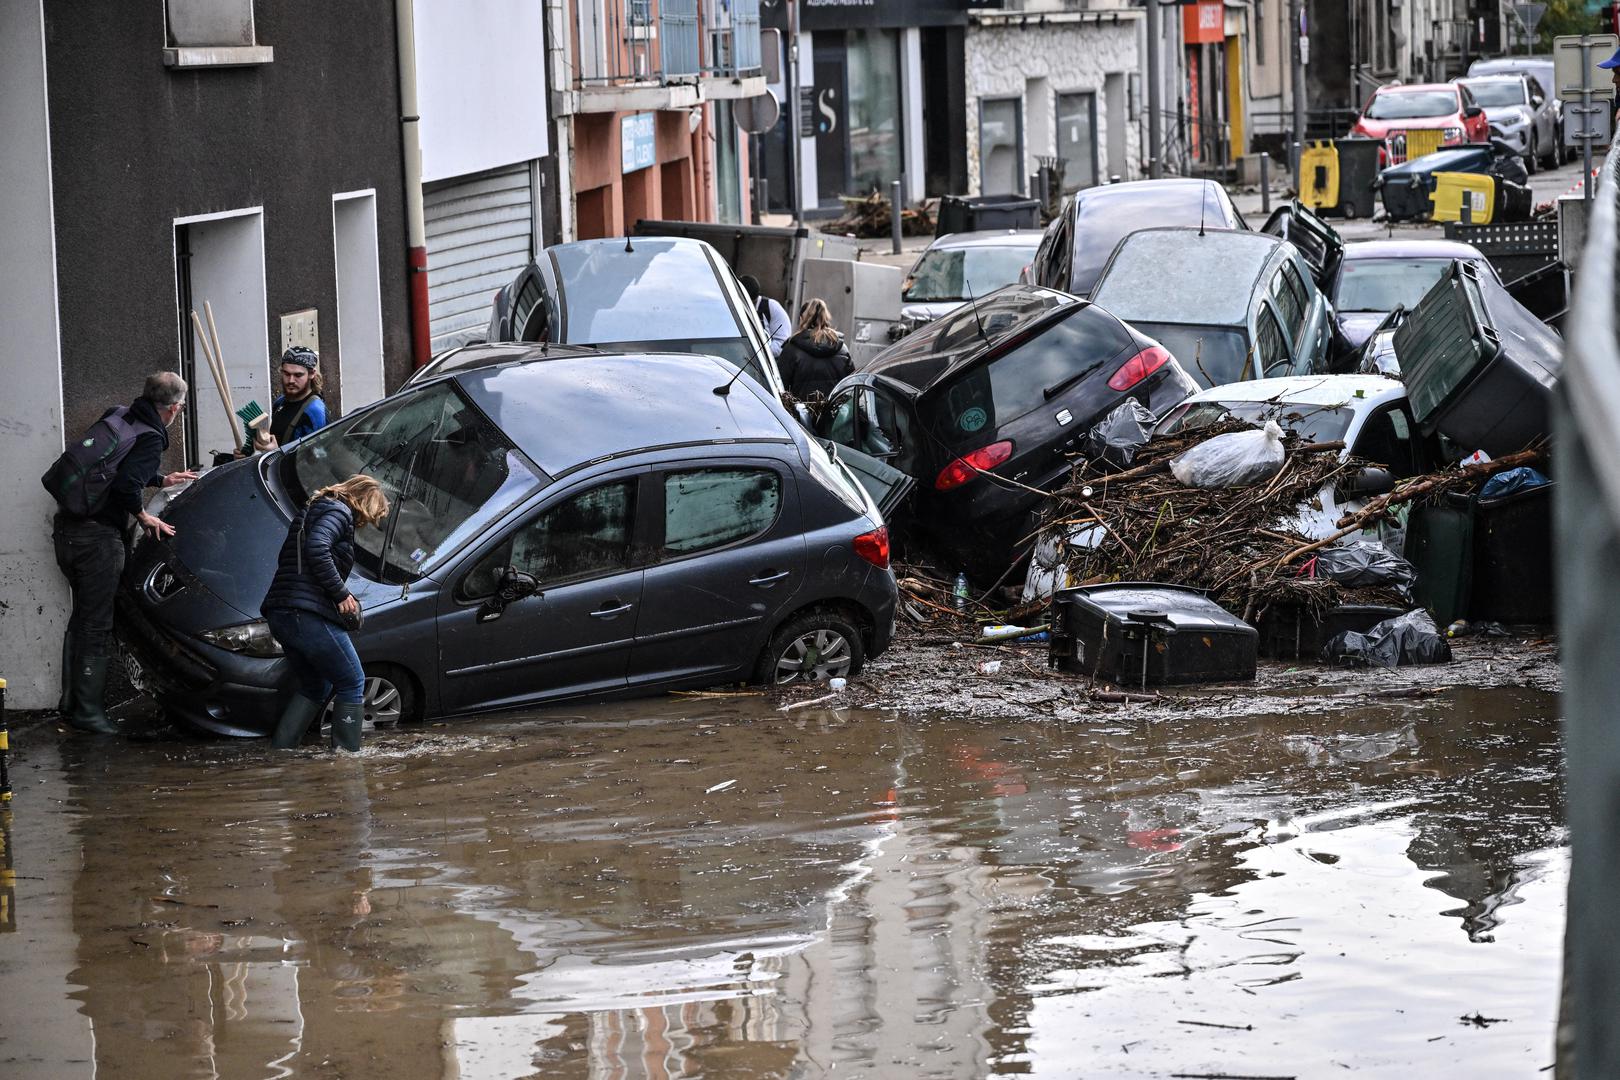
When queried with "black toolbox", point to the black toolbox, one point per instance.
{"points": [[1479, 367], [1295, 632], [1138, 634]]}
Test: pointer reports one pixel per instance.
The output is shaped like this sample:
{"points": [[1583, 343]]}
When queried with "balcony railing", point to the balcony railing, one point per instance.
{"points": [[660, 42]]}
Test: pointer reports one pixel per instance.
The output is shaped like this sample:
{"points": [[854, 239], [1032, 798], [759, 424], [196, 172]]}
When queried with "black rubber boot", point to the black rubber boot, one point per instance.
{"points": [[64, 705], [346, 721], [295, 720], [89, 714]]}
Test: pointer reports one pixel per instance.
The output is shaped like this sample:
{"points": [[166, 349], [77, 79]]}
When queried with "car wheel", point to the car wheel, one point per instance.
{"points": [[1532, 157], [390, 699], [812, 647]]}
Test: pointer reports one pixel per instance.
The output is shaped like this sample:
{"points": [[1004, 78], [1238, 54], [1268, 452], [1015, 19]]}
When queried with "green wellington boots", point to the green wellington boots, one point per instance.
{"points": [[295, 720]]}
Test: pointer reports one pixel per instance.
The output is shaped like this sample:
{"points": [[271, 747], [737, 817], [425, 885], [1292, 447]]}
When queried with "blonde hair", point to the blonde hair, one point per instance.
{"points": [[816, 320], [363, 494]]}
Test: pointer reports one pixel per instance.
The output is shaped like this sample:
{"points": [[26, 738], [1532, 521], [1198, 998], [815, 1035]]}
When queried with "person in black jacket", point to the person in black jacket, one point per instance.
{"points": [[307, 605], [815, 358], [90, 551]]}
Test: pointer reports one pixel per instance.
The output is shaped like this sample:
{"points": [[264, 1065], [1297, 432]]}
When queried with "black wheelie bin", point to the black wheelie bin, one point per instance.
{"points": [[1479, 367], [1141, 634]]}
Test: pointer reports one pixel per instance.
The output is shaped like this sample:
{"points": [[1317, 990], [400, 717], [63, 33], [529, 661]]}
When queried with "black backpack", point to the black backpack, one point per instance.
{"points": [[80, 479]]}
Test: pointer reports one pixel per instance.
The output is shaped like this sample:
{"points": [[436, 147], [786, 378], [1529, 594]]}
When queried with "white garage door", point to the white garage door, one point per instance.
{"points": [[480, 233]]}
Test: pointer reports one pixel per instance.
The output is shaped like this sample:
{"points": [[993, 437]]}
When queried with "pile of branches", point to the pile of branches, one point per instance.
{"points": [[871, 216], [1231, 542]]}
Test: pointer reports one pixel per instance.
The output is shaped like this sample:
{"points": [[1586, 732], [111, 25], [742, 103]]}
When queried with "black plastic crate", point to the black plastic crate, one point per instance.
{"points": [[1141, 634]]}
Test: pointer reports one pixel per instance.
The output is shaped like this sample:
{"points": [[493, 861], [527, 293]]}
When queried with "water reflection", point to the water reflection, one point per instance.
{"points": [[955, 899]]}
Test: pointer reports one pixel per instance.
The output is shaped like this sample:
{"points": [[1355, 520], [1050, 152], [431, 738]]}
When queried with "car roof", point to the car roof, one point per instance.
{"points": [[1185, 275], [1492, 77], [1410, 249], [1321, 390], [567, 411], [996, 238], [1134, 188]]}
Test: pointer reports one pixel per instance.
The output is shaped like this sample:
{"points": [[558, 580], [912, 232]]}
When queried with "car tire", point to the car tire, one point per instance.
{"points": [[390, 699], [1532, 157], [826, 640]]}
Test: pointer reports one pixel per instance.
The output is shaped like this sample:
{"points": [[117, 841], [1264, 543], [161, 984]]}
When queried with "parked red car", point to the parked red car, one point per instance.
{"points": [[1448, 108]]}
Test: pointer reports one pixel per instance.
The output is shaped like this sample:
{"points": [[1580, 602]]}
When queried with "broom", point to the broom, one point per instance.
{"points": [[255, 418], [216, 365]]}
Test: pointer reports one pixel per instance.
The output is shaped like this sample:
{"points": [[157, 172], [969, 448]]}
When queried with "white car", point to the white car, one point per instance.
{"points": [[1368, 412]]}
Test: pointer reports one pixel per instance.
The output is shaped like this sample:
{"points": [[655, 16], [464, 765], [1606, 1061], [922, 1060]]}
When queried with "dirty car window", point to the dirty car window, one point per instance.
{"points": [[957, 273], [1313, 423], [586, 535], [657, 291], [447, 470], [709, 508]]}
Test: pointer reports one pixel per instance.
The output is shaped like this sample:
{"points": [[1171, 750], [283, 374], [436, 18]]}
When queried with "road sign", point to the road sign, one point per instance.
{"points": [[757, 115], [1582, 121], [1529, 15], [1567, 65]]}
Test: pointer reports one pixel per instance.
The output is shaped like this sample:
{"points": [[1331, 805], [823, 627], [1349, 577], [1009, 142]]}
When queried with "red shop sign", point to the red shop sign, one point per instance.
{"points": [[1203, 23]]}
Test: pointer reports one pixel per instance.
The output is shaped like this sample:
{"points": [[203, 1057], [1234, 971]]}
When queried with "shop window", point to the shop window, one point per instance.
{"points": [[212, 33], [1001, 147], [873, 72]]}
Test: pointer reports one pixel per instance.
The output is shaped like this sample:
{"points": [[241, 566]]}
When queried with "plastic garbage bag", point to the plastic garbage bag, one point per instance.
{"points": [[1513, 481], [1365, 563], [1237, 459], [1406, 639], [1117, 437]]}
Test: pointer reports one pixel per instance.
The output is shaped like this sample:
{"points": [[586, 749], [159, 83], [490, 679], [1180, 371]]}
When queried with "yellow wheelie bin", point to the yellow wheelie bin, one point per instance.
{"points": [[1319, 175], [1453, 191]]}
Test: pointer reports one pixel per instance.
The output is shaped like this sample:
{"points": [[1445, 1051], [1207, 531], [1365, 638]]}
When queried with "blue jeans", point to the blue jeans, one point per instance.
{"points": [[320, 654]]}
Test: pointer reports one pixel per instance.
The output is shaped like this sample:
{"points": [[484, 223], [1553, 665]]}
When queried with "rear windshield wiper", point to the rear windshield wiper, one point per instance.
{"points": [[1058, 387]]}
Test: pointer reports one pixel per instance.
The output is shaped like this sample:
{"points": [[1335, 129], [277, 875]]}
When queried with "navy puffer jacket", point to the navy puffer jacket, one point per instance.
{"points": [[328, 526]]}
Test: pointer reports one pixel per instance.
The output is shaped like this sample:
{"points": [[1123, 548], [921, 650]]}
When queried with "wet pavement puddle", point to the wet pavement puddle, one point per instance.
{"points": [[584, 895]]}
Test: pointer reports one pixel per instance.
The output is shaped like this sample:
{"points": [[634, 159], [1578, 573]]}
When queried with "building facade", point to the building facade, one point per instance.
{"points": [[162, 159]]}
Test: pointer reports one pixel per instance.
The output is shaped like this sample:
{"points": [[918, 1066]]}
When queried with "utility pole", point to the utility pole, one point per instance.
{"points": [[1301, 49], [795, 147], [1155, 88]]}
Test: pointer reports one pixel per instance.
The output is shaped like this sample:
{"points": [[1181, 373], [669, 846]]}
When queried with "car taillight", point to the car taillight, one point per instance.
{"points": [[968, 466], [1138, 368], [874, 547]]}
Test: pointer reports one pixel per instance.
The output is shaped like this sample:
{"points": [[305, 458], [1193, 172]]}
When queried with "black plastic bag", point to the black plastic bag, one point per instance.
{"points": [[1117, 437], [1365, 563], [1407, 639]]}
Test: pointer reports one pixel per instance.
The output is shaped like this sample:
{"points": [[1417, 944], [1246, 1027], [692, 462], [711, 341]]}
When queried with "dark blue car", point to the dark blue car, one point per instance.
{"points": [[577, 526]]}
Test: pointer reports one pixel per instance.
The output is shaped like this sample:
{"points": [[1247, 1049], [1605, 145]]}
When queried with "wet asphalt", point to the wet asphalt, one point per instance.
{"points": [[707, 886]]}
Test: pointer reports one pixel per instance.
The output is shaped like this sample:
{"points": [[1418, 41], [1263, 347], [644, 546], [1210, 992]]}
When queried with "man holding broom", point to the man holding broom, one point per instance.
{"points": [[299, 410]]}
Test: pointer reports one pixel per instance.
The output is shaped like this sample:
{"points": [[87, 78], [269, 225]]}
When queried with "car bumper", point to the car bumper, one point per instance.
{"points": [[210, 689]]}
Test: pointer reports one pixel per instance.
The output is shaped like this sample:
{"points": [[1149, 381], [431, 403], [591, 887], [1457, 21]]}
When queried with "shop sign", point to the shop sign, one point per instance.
{"points": [[1204, 23], [638, 148], [853, 14]]}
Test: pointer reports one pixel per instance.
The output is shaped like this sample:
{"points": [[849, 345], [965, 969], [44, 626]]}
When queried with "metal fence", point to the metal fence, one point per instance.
{"points": [[1587, 498]]}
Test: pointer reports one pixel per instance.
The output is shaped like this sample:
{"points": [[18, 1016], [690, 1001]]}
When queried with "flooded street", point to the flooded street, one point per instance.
{"points": [[705, 887]]}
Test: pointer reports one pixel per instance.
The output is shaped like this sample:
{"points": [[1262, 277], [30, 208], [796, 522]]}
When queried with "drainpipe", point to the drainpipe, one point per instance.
{"points": [[415, 228]]}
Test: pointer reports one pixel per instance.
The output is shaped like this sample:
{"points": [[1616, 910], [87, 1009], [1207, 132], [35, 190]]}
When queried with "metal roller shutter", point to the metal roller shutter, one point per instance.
{"points": [[480, 232]]}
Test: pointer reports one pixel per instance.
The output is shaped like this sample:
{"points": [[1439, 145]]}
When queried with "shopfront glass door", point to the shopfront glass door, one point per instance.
{"points": [[1001, 147], [1077, 139]]}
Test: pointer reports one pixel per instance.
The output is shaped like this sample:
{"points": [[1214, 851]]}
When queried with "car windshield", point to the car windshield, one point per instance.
{"points": [[1106, 217], [447, 470], [973, 405], [1412, 104], [958, 273], [1494, 93], [657, 291], [1385, 284], [1210, 354], [1313, 423]]}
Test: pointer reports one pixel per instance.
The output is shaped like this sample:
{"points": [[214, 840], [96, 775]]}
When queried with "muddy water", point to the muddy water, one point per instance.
{"points": [[692, 888]]}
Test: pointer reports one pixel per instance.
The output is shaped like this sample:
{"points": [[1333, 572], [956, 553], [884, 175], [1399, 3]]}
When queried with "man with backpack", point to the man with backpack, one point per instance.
{"points": [[97, 484], [772, 316]]}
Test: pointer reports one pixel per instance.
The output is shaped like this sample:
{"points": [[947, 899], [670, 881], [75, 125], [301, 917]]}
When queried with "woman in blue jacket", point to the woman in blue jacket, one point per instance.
{"points": [[309, 609]]}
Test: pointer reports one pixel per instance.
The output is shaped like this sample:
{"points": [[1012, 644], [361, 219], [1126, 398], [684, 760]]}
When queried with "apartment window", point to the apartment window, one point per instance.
{"points": [[212, 33]]}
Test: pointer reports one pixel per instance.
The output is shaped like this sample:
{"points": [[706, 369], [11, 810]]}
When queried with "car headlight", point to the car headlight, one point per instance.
{"points": [[251, 638], [1452, 134]]}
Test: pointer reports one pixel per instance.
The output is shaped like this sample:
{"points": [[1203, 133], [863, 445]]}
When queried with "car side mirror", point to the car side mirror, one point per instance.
{"points": [[514, 586], [1473, 112], [1368, 482]]}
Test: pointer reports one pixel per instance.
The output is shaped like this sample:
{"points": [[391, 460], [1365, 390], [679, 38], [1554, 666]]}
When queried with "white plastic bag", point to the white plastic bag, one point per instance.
{"points": [[1237, 459]]}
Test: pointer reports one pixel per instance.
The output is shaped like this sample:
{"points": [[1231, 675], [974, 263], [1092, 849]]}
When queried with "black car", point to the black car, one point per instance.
{"points": [[1080, 239], [985, 407], [561, 527]]}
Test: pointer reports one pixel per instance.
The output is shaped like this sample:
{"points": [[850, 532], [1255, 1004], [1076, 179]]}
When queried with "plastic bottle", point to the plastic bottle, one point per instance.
{"points": [[1457, 629], [960, 590]]}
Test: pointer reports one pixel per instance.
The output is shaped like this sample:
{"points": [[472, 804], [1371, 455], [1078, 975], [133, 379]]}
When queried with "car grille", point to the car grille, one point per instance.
{"points": [[170, 664], [161, 583]]}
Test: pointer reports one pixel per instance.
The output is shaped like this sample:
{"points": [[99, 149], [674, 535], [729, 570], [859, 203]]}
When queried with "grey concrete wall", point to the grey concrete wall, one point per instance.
{"points": [[33, 595], [136, 145]]}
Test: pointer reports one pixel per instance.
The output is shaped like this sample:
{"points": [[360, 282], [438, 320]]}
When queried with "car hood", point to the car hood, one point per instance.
{"points": [[1508, 114], [1356, 326], [228, 531]]}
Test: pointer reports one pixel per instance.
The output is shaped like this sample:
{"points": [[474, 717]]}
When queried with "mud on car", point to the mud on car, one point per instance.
{"points": [[561, 527]]}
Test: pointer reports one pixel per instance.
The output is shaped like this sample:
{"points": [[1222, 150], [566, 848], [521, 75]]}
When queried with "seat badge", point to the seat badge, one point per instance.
{"points": [[1063, 417]]}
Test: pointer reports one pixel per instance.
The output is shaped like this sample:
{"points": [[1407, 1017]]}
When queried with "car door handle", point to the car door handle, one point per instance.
{"points": [[610, 613], [769, 579]]}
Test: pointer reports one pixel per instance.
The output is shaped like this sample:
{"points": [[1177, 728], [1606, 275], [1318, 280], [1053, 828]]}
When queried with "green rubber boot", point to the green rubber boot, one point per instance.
{"points": [[295, 720], [64, 704], [89, 714], [346, 721]]}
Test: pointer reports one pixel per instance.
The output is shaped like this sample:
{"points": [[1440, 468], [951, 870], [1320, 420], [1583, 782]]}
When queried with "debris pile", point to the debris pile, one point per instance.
{"points": [[872, 216]]}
